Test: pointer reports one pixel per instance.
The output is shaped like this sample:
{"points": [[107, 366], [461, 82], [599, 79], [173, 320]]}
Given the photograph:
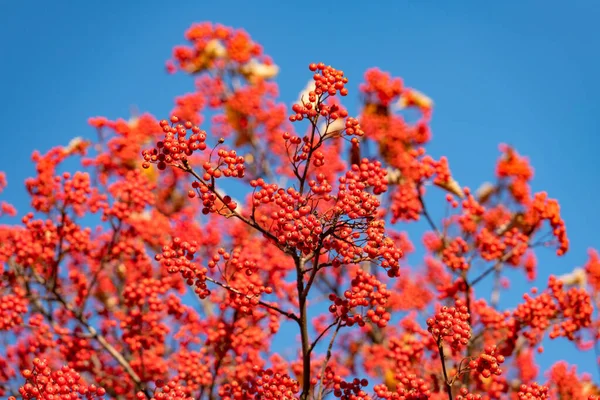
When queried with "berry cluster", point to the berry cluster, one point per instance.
{"points": [[571, 310], [328, 80], [353, 199], [171, 390], [488, 363], [311, 109], [465, 395], [62, 384], [380, 87], [533, 392], [143, 327], [345, 390], [516, 170], [406, 205], [178, 257], [266, 384], [451, 324], [176, 147], [543, 208], [12, 308], [232, 163], [366, 291], [454, 255]]}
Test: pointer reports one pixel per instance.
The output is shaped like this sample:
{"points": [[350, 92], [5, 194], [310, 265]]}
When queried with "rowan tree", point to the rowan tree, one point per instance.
{"points": [[244, 249]]}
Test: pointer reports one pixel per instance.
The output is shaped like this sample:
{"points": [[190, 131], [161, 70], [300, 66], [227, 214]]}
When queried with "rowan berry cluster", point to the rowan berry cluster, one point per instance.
{"points": [[575, 308], [564, 383], [568, 312], [516, 169], [266, 384], [345, 390], [211, 45], [229, 164], [12, 308], [465, 395], [62, 384], [381, 87], [171, 390], [409, 388], [176, 146], [406, 205], [132, 195], [143, 326], [366, 291], [487, 363], [312, 108], [454, 255], [451, 324], [178, 257], [533, 392], [543, 208]]}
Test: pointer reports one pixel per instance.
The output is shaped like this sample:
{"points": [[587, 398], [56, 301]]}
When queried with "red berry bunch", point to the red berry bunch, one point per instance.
{"points": [[409, 387], [380, 87], [366, 291], [542, 209], [229, 164], [571, 310], [575, 307], [454, 254], [265, 384], [353, 197], [12, 307], [465, 395], [533, 392], [451, 324], [176, 146], [62, 384], [488, 363], [178, 257], [328, 80], [311, 109], [515, 169], [143, 326], [406, 205], [132, 195], [167, 391], [345, 390]]}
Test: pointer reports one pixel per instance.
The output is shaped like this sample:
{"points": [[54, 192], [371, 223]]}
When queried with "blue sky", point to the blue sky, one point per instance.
{"points": [[521, 72]]}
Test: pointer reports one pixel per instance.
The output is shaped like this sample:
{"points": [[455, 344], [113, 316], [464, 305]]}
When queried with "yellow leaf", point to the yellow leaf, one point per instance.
{"points": [[453, 187], [412, 97]]}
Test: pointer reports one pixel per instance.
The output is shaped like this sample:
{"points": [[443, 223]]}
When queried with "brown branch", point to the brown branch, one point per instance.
{"points": [[327, 357], [447, 383], [262, 303], [96, 335]]}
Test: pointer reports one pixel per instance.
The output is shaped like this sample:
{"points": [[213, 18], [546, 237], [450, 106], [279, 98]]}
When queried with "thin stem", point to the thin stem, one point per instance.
{"points": [[443, 361], [303, 324], [262, 303], [327, 357], [97, 336], [314, 343], [427, 216]]}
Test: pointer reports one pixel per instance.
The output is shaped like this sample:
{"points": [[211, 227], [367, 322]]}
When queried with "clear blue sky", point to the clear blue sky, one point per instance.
{"points": [[522, 72]]}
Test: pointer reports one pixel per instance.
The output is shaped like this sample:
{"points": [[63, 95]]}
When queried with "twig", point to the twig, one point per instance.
{"points": [[327, 357], [443, 361], [262, 303]]}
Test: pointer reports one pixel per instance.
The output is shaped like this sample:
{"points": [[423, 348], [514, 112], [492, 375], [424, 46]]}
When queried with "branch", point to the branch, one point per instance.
{"points": [[443, 361], [97, 336], [327, 357], [312, 346], [262, 303]]}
